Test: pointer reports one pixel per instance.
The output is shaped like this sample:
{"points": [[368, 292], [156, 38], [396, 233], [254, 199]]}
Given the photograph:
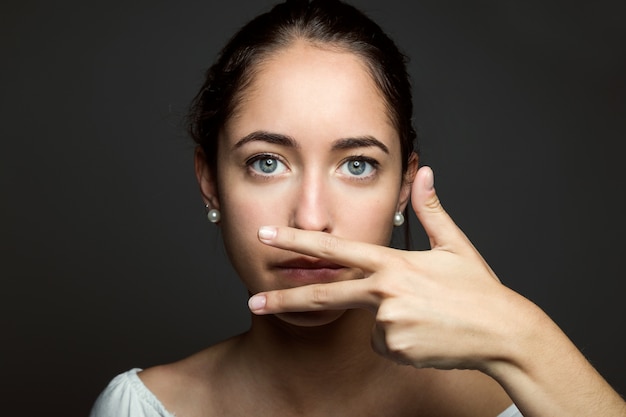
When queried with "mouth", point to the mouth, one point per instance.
{"points": [[308, 263], [309, 271]]}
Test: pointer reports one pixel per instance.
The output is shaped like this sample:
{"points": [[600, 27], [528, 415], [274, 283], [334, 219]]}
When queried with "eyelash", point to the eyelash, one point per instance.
{"points": [[260, 157], [361, 158], [374, 164]]}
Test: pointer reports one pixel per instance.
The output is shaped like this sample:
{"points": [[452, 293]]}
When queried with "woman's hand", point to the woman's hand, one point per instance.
{"points": [[442, 308], [446, 308]]}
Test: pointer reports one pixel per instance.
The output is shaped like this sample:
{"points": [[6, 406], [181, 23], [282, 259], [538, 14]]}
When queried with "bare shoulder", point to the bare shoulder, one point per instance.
{"points": [[185, 387], [466, 393]]}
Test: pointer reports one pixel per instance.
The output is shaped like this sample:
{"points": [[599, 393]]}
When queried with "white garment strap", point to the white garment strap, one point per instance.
{"points": [[512, 411]]}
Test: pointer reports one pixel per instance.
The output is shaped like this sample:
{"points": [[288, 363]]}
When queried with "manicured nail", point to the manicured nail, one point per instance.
{"points": [[429, 180], [267, 233], [257, 302]]}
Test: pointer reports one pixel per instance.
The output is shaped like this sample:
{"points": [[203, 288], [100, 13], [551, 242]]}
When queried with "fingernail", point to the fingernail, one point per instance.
{"points": [[429, 180], [257, 302], [267, 233]]}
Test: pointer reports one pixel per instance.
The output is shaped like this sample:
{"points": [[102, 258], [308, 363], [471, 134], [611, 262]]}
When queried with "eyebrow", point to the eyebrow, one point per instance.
{"points": [[288, 141], [360, 142], [263, 136]]}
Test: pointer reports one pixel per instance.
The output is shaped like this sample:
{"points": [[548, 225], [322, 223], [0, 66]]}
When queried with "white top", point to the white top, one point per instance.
{"points": [[127, 396]]}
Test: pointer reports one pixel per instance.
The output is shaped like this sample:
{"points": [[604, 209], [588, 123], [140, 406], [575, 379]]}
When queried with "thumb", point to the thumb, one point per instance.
{"points": [[439, 226]]}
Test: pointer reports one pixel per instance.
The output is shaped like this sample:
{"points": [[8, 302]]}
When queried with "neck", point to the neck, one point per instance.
{"points": [[335, 356], [322, 370]]}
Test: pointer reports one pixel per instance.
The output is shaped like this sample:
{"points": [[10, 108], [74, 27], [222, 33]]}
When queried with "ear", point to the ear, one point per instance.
{"points": [[407, 181], [206, 179]]}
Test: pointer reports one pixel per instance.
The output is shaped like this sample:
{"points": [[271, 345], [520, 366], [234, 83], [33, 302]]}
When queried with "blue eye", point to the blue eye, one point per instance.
{"points": [[266, 165], [358, 167]]}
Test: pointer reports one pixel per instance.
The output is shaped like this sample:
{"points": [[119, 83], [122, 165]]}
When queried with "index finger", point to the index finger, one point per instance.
{"points": [[366, 256], [316, 297]]}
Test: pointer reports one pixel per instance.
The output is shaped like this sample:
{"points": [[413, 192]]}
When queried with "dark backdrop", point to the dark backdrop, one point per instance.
{"points": [[108, 263]]}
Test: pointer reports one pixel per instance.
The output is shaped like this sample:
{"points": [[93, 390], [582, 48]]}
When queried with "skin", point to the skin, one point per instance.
{"points": [[319, 108], [337, 340], [446, 309]]}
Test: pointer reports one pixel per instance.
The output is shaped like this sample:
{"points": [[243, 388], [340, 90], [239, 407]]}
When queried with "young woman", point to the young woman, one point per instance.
{"points": [[306, 161]]}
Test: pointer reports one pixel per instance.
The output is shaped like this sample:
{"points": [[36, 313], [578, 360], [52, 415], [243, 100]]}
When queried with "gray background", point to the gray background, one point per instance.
{"points": [[108, 263]]}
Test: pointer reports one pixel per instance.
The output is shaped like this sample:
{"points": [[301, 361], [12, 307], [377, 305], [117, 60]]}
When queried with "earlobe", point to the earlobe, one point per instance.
{"points": [[206, 179], [407, 181]]}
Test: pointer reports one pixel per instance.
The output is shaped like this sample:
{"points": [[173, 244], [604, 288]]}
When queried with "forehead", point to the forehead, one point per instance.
{"points": [[306, 89]]}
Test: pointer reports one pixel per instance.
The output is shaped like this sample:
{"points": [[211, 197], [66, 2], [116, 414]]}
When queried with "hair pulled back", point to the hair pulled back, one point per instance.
{"points": [[329, 23]]}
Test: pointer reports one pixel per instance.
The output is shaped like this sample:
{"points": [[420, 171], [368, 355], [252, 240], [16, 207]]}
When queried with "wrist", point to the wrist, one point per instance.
{"points": [[526, 335], [543, 371]]}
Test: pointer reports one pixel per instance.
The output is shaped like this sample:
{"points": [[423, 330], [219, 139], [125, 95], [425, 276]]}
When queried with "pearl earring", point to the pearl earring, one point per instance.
{"points": [[398, 219], [213, 215]]}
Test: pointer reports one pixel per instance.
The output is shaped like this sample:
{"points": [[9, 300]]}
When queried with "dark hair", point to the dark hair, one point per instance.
{"points": [[329, 22], [324, 22]]}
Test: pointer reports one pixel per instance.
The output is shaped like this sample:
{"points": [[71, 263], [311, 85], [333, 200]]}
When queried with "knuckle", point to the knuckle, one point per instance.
{"points": [[388, 287], [289, 235], [382, 287], [328, 244], [391, 344], [277, 300], [319, 295], [396, 346], [385, 315], [433, 203]]}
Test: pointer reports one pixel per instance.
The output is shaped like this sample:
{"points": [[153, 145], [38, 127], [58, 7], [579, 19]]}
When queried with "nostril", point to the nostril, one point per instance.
{"points": [[312, 218]]}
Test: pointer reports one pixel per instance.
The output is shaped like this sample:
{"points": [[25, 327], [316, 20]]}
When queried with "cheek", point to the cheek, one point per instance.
{"points": [[248, 208], [366, 215], [241, 218], [242, 215], [244, 209]]}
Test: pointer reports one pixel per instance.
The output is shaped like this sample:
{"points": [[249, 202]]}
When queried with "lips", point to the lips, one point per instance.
{"points": [[304, 263], [309, 271]]}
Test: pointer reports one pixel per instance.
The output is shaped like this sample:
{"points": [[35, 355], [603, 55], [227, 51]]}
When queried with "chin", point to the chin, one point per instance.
{"points": [[311, 318]]}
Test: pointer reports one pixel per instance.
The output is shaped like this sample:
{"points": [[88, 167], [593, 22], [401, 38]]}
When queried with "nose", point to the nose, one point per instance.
{"points": [[312, 204]]}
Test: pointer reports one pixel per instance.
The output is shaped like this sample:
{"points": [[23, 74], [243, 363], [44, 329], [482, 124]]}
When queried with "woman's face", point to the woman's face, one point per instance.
{"points": [[310, 146]]}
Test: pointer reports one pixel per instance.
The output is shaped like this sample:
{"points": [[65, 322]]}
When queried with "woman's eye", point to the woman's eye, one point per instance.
{"points": [[358, 167], [266, 165]]}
